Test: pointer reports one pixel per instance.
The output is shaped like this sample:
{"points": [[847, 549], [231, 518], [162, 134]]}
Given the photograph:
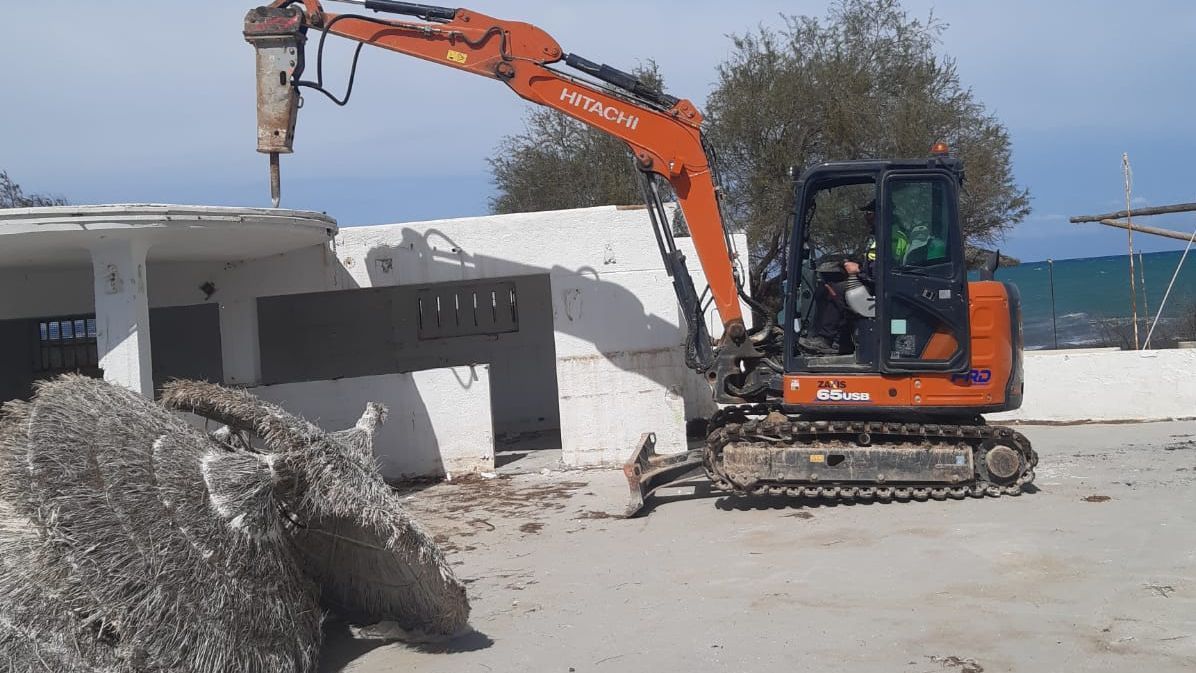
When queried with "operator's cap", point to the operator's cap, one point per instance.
{"points": [[869, 207]]}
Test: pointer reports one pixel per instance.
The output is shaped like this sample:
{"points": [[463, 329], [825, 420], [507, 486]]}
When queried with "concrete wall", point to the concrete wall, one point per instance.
{"points": [[614, 315], [615, 323], [1107, 386], [44, 292], [372, 331], [439, 421]]}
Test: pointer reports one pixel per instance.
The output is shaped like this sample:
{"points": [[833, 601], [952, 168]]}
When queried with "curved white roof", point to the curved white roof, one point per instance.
{"points": [[63, 234]]}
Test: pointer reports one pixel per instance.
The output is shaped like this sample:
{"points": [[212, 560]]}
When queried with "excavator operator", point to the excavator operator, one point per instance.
{"points": [[831, 312]]}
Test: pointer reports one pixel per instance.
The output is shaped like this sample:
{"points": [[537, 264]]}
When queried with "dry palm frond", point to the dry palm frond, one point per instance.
{"points": [[360, 437], [132, 541], [371, 560], [130, 546]]}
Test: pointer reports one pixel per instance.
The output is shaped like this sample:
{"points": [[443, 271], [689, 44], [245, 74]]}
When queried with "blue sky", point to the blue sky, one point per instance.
{"points": [[135, 101]]}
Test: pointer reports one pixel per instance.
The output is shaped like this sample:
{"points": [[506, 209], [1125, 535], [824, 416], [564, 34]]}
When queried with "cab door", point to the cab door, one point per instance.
{"points": [[922, 280]]}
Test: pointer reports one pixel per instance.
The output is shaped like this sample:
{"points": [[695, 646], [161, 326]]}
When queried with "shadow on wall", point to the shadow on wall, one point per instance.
{"points": [[572, 321], [607, 315]]}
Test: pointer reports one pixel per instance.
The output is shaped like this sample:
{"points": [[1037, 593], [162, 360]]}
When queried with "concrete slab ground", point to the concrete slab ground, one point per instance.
{"points": [[1094, 572]]}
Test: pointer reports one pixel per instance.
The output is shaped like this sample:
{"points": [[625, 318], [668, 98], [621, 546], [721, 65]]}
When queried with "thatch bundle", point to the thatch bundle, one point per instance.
{"points": [[133, 541], [372, 561]]}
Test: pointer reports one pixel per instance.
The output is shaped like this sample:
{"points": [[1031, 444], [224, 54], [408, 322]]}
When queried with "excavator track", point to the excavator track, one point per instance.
{"points": [[768, 429]]}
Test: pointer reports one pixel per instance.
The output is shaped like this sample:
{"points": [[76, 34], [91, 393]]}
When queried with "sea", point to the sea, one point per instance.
{"points": [[1092, 298]]}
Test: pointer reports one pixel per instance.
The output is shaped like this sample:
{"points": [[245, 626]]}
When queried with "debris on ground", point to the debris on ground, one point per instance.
{"points": [[131, 540], [1164, 590], [1097, 498], [963, 665], [595, 514]]}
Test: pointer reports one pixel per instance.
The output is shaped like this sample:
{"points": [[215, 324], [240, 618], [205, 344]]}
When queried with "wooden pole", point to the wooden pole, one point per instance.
{"points": [[1154, 210], [1142, 279], [1054, 325], [1129, 232], [1177, 235]]}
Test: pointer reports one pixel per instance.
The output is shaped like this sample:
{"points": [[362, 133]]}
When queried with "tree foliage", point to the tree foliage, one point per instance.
{"points": [[12, 196], [865, 82], [559, 162]]}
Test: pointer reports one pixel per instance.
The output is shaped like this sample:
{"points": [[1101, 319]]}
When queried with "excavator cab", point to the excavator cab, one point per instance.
{"points": [[887, 404], [876, 267], [905, 310]]}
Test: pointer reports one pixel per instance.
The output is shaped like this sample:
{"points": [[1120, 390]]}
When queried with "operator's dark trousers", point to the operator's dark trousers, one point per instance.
{"points": [[830, 310]]}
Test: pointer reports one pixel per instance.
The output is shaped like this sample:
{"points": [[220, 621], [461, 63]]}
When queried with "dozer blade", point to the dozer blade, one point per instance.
{"points": [[647, 471]]}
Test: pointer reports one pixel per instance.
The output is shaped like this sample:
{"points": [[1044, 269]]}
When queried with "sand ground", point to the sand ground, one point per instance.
{"points": [[1096, 571]]}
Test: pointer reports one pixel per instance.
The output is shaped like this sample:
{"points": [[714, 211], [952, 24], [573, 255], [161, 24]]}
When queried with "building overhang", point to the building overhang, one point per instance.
{"points": [[64, 235]]}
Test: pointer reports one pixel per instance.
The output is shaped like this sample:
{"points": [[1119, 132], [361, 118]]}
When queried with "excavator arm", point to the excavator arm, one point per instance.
{"points": [[663, 132]]}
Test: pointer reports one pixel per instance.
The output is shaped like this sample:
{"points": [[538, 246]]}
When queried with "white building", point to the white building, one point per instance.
{"points": [[543, 330]]}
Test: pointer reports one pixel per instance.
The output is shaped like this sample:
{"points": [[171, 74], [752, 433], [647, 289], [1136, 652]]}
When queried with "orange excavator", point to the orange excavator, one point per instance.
{"points": [[870, 382]]}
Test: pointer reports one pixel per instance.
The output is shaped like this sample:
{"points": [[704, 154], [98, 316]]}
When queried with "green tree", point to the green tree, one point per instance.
{"points": [[559, 162], [12, 196], [864, 82]]}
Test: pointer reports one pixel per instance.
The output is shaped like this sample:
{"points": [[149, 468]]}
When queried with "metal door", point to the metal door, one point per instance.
{"points": [[923, 307]]}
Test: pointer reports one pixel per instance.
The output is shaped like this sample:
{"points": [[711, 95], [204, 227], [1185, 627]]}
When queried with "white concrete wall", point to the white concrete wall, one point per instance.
{"points": [[439, 422], [1107, 386], [615, 317], [608, 400], [44, 292], [376, 331]]}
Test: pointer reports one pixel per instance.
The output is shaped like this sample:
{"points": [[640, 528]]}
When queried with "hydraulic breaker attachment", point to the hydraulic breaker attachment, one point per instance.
{"points": [[647, 471], [277, 36]]}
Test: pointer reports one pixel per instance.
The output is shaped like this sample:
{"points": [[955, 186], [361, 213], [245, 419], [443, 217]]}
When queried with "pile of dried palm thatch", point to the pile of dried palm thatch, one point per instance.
{"points": [[131, 540]]}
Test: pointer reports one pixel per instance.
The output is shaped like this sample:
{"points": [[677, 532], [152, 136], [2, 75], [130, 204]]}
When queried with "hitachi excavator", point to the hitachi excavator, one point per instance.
{"points": [[886, 406]]}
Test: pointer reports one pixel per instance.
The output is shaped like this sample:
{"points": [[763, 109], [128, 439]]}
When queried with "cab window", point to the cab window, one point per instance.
{"points": [[919, 225], [839, 222]]}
